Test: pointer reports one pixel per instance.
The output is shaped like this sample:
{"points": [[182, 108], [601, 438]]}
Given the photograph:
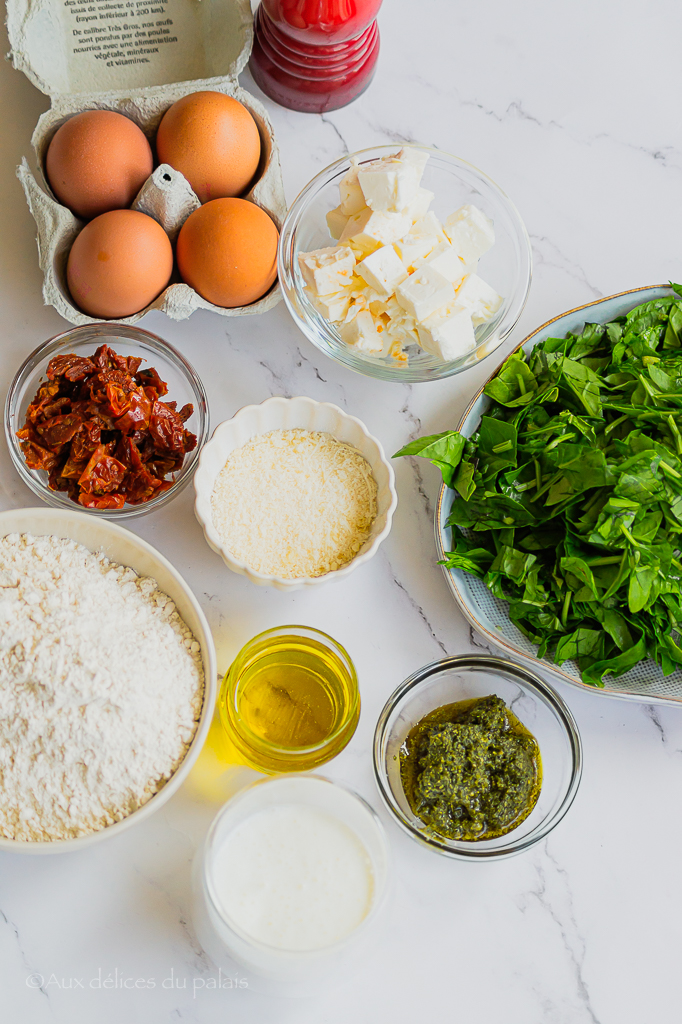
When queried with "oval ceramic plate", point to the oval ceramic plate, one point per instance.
{"points": [[487, 614]]}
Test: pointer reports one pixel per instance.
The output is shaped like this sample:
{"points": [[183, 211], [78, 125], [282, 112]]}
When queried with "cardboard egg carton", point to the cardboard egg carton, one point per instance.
{"points": [[135, 57]]}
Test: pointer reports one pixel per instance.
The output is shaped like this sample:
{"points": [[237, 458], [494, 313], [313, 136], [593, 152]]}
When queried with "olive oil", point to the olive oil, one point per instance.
{"points": [[289, 702]]}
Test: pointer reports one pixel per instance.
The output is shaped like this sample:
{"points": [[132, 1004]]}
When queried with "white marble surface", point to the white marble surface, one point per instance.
{"points": [[574, 109]]}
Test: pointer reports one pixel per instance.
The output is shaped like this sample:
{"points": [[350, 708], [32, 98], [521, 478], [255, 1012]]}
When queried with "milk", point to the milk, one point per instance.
{"points": [[290, 885], [293, 877]]}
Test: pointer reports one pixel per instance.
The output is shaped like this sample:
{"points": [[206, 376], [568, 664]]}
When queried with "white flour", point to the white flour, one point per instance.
{"points": [[101, 688]]}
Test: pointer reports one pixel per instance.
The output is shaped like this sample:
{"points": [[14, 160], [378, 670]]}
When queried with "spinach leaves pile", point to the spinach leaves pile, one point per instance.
{"points": [[570, 493]]}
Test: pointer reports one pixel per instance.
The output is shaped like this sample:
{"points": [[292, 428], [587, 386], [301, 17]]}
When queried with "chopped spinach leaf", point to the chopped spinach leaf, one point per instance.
{"points": [[570, 492]]}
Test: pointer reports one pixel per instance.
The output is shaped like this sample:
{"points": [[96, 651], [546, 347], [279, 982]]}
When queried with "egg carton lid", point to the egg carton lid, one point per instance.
{"points": [[74, 47]]}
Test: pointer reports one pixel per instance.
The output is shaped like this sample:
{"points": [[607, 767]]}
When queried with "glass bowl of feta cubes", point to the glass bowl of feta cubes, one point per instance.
{"points": [[404, 263]]}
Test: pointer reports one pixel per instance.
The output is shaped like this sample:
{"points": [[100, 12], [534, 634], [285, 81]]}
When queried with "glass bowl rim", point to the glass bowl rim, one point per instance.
{"points": [[531, 682], [378, 901], [229, 684], [290, 285], [131, 333]]}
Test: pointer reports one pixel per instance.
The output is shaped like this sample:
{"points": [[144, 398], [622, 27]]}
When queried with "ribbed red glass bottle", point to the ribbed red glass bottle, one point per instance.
{"points": [[315, 55]]}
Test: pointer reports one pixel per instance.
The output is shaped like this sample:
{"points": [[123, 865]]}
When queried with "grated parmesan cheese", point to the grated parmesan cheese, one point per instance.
{"points": [[294, 503]]}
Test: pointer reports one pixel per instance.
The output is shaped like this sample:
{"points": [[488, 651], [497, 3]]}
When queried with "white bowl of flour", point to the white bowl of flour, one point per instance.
{"points": [[107, 680]]}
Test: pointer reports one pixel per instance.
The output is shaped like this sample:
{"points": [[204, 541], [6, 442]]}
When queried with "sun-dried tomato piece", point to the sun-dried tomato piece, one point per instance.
{"points": [[55, 408], [70, 366], [166, 429], [57, 481], [36, 456], [106, 359], [101, 357], [93, 414], [118, 399], [147, 450], [150, 378], [103, 472], [58, 431], [27, 433], [46, 396], [140, 486], [108, 382], [189, 441], [91, 411], [134, 363], [162, 467], [138, 437], [127, 453], [136, 415], [101, 500], [186, 412], [117, 361], [86, 440], [73, 469], [162, 485], [116, 376]]}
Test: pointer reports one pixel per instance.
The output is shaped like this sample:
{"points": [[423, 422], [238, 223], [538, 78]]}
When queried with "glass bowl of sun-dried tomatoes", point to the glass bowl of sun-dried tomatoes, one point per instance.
{"points": [[107, 417]]}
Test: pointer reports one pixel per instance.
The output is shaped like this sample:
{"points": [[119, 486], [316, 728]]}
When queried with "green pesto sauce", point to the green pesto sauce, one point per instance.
{"points": [[471, 770]]}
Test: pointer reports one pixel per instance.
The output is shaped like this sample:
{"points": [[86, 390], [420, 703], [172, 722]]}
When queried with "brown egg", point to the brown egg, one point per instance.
{"points": [[227, 251], [213, 140], [118, 264], [98, 161]]}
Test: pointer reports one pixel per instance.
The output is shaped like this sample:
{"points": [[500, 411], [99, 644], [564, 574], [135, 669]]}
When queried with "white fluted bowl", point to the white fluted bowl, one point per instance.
{"points": [[289, 414]]}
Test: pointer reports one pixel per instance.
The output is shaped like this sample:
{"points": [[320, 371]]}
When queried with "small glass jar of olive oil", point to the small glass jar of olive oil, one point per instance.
{"points": [[289, 702]]}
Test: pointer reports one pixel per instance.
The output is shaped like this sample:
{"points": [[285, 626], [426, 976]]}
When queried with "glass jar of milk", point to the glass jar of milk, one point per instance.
{"points": [[290, 883]]}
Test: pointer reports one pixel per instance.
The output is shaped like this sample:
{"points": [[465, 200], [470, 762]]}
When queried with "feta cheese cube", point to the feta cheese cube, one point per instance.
{"points": [[388, 185], [368, 230], [417, 157], [429, 227], [333, 307], [412, 248], [352, 199], [382, 270], [419, 206], [364, 333], [424, 292], [422, 238], [336, 222], [470, 232], [445, 260], [327, 270], [448, 337], [479, 298]]}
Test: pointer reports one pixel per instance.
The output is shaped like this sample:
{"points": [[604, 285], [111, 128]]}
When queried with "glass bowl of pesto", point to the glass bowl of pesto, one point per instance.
{"points": [[489, 790]]}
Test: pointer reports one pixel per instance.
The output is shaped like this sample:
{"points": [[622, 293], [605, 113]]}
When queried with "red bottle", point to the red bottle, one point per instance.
{"points": [[315, 55]]}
